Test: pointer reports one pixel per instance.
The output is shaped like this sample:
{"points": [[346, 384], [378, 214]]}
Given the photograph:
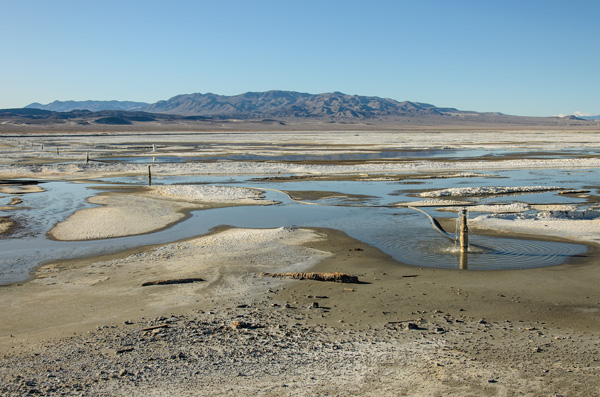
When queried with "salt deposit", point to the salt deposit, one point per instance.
{"points": [[486, 191], [210, 193], [582, 225], [497, 208], [585, 214], [83, 170], [433, 203]]}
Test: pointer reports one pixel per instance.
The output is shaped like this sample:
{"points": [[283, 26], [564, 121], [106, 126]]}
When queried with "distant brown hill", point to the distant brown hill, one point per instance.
{"points": [[290, 104]]}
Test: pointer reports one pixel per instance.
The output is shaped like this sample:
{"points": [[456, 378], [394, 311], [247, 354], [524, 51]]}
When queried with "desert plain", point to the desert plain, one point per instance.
{"points": [[87, 326]]}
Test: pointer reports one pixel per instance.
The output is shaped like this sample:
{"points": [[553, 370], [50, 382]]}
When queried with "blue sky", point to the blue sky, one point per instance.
{"points": [[536, 58]]}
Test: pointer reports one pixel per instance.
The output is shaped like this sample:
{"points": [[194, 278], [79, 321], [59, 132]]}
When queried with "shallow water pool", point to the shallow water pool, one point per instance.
{"points": [[402, 233]]}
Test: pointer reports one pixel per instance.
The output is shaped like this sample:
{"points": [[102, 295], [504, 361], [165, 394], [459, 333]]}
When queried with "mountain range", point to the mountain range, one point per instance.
{"points": [[272, 104], [257, 105], [256, 110], [289, 104]]}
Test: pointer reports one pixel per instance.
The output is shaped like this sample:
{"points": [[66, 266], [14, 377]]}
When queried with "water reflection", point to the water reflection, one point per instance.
{"points": [[464, 260]]}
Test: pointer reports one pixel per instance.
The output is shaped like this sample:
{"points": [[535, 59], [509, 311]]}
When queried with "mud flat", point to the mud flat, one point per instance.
{"points": [[89, 327]]}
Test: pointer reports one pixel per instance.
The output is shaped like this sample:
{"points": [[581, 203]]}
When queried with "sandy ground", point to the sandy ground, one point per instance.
{"points": [[76, 295], [88, 327], [21, 189], [152, 209], [476, 333], [5, 225]]}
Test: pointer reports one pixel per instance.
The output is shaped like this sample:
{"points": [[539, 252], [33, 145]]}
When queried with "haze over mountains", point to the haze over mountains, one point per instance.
{"points": [[94, 106]]}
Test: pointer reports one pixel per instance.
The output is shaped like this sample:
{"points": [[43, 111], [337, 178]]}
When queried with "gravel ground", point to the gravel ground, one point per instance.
{"points": [[267, 349]]}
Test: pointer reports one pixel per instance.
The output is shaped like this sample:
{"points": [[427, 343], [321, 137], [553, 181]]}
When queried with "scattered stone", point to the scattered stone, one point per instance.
{"points": [[236, 324], [314, 305], [124, 372], [412, 326]]}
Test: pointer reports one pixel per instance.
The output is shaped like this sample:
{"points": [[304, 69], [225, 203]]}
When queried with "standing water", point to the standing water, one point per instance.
{"points": [[400, 232]]}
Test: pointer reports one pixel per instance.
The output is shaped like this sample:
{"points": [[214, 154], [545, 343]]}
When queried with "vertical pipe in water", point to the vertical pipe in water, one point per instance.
{"points": [[464, 232]]}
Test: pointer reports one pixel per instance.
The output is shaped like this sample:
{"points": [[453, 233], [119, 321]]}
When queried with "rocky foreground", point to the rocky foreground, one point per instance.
{"points": [[268, 348]]}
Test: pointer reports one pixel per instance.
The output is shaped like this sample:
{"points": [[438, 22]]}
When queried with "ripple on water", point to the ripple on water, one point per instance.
{"points": [[485, 253]]}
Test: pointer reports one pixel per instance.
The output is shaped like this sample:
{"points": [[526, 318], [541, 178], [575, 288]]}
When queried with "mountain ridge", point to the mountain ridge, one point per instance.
{"points": [[291, 104], [283, 108], [274, 103]]}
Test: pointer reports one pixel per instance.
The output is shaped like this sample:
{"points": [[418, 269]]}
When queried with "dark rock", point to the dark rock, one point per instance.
{"points": [[412, 326]]}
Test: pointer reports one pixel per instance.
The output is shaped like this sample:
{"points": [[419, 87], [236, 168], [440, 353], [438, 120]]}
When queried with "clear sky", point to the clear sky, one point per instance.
{"points": [[522, 57]]}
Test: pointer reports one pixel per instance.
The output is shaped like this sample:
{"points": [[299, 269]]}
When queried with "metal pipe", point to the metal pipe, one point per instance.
{"points": [[464, 232]]}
